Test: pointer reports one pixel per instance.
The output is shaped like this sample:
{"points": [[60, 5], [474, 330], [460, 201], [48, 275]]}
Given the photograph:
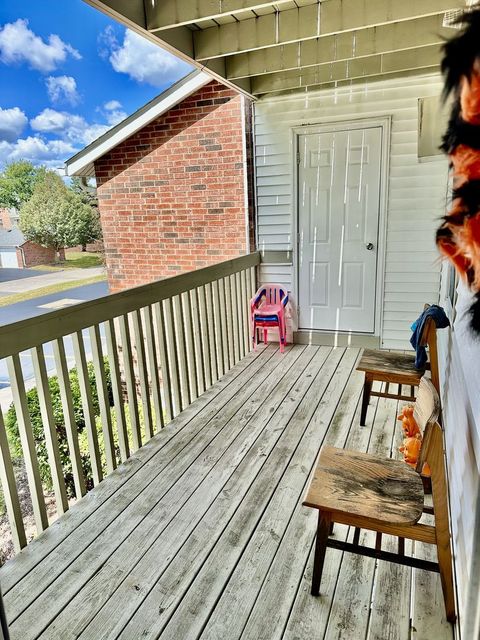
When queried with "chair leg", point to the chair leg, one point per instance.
{"points": [[442, 529], [254, 337], [323, 530], [281, 334], [367, 389], [265, 336]]}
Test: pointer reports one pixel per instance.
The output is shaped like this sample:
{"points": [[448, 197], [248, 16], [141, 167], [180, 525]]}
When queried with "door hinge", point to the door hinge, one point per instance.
{"points": [[298, 238], [298, 157]]}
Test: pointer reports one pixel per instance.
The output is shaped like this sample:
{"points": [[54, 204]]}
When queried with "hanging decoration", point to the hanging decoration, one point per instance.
{"points": [[458, 238]]}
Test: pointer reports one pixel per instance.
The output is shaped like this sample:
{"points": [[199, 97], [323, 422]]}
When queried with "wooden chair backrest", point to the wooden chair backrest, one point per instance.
{"points": [[427, 405], [429, 339], [432, 452]]}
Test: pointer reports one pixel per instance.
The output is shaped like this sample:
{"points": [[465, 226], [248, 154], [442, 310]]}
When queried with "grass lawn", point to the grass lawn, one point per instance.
{"points": [[74, 260], [45, 291]]}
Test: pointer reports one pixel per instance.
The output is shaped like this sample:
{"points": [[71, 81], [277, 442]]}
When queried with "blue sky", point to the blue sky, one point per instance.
{"points": [[68, 73]]}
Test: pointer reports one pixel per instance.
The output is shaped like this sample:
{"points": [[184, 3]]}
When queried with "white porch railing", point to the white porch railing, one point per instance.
{"points": [[163, 344]]}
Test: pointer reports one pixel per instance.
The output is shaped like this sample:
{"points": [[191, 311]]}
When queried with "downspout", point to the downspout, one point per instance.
{"points": [[23, 256], [245, 174]]}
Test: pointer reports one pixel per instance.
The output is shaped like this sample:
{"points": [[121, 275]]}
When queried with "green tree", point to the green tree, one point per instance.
{"points": [[56, 217], [88, 195], [17, 182]]}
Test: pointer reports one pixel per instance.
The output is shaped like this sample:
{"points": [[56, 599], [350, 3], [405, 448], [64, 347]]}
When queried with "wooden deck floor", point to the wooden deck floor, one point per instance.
{"points": [[202, 533]]}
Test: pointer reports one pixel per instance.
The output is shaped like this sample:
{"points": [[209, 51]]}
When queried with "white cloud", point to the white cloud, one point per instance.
{"points": [[18, 44], [112, 105], [35, 149], [140, 59], [12, 123], [112, 112], [62, 89], [68, 126], [115, 116]]}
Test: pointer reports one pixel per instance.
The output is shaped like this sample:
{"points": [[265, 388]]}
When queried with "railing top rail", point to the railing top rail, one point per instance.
{"points": [[25, 334]]}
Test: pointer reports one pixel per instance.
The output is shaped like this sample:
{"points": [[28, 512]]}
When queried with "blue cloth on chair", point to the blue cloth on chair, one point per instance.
{"points": [[441, 321]]}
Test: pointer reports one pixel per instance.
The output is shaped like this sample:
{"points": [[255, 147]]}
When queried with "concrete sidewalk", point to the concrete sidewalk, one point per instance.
{"points": [[47, 279]]}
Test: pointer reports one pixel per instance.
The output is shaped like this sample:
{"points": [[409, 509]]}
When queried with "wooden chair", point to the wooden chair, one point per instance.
{"points": [[386, 496], [397, 368]]}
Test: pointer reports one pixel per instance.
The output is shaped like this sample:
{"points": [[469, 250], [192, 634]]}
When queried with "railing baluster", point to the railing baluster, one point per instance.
{"points": [[71, 427], [253, 281], [153, 367], [142, 372], [163, 356], [223, 322], [218, 328], [49, 428], [245, 312], [228, 306], [87, 405], [197, 339], [172, 356], [189, 346], [205, 338], [235, 319], [103, 400], [181, 351], [27, 440], [129, 374], [117, 390], [239, 314], [211, 331], [10, 494]]}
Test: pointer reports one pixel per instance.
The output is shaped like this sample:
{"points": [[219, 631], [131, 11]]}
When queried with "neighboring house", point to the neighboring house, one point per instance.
{"points": [[17, 252], [172, 183]]}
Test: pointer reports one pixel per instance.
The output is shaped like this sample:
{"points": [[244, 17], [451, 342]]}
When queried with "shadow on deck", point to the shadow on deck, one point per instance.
{"points": [[201, 534]]}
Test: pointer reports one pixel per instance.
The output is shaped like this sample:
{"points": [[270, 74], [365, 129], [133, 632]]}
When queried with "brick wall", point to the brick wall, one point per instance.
{"points": [[171, 197], [35, 255], [5, 221]]}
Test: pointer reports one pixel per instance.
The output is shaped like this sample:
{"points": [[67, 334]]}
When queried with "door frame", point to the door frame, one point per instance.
{"points": [[332, 125]]}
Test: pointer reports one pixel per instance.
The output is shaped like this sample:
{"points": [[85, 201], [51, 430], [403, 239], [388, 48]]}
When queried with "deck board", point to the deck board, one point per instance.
{"points": [[202, 533]]}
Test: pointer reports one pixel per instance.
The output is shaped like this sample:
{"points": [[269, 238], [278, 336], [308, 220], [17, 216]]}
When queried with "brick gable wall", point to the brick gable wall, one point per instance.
{"points": [[172, 196], [34, 255]]}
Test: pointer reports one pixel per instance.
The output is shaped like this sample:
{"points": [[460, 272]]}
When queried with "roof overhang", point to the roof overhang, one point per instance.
{"points": [[262, 47], [82, 164]]}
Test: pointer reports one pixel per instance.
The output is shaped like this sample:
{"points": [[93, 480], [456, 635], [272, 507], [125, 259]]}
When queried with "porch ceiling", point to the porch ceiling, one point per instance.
{"points": [[263, 47]]}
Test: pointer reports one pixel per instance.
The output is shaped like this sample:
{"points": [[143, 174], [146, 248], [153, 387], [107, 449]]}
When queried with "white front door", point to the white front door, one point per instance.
{"points": [[338, 205]]}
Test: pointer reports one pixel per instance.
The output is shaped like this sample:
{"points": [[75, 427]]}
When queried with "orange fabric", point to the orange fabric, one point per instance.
{"points": [[409, 424], [411, 450], [470, 99]]}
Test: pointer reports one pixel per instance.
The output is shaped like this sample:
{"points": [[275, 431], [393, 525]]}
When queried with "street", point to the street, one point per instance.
{"points": [[39, 306]]}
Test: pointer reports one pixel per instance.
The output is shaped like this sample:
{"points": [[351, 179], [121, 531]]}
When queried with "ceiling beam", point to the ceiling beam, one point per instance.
{"points": [[309, 22], [348, 45], [356, 82], [165, 14], [412, 59]]}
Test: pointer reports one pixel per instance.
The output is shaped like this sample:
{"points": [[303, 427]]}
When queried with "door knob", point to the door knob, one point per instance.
{"points": [[369, 246]]}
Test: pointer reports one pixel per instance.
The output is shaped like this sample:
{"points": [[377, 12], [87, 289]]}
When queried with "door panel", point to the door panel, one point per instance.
{"points": [[339, 195]]}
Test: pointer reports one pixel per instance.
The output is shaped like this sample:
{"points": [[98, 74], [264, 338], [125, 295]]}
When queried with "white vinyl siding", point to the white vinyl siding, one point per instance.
{"points": [[459, 358], [416, 190]]}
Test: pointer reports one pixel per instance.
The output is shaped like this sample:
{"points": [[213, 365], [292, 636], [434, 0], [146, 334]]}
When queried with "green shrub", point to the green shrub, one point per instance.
{"points": [[38, 430]]}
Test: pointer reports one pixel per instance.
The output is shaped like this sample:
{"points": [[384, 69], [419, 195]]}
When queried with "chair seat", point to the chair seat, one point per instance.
{"points": [[366, 486], [390, 366], [268, 310]]}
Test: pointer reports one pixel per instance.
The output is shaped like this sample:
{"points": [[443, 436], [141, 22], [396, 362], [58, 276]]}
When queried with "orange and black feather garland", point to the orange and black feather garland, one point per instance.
{"points": [[458, 238]]}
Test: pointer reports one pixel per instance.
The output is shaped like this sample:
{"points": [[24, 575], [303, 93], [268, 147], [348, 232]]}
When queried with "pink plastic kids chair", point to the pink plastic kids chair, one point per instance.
{"points": [[267, 309]]}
